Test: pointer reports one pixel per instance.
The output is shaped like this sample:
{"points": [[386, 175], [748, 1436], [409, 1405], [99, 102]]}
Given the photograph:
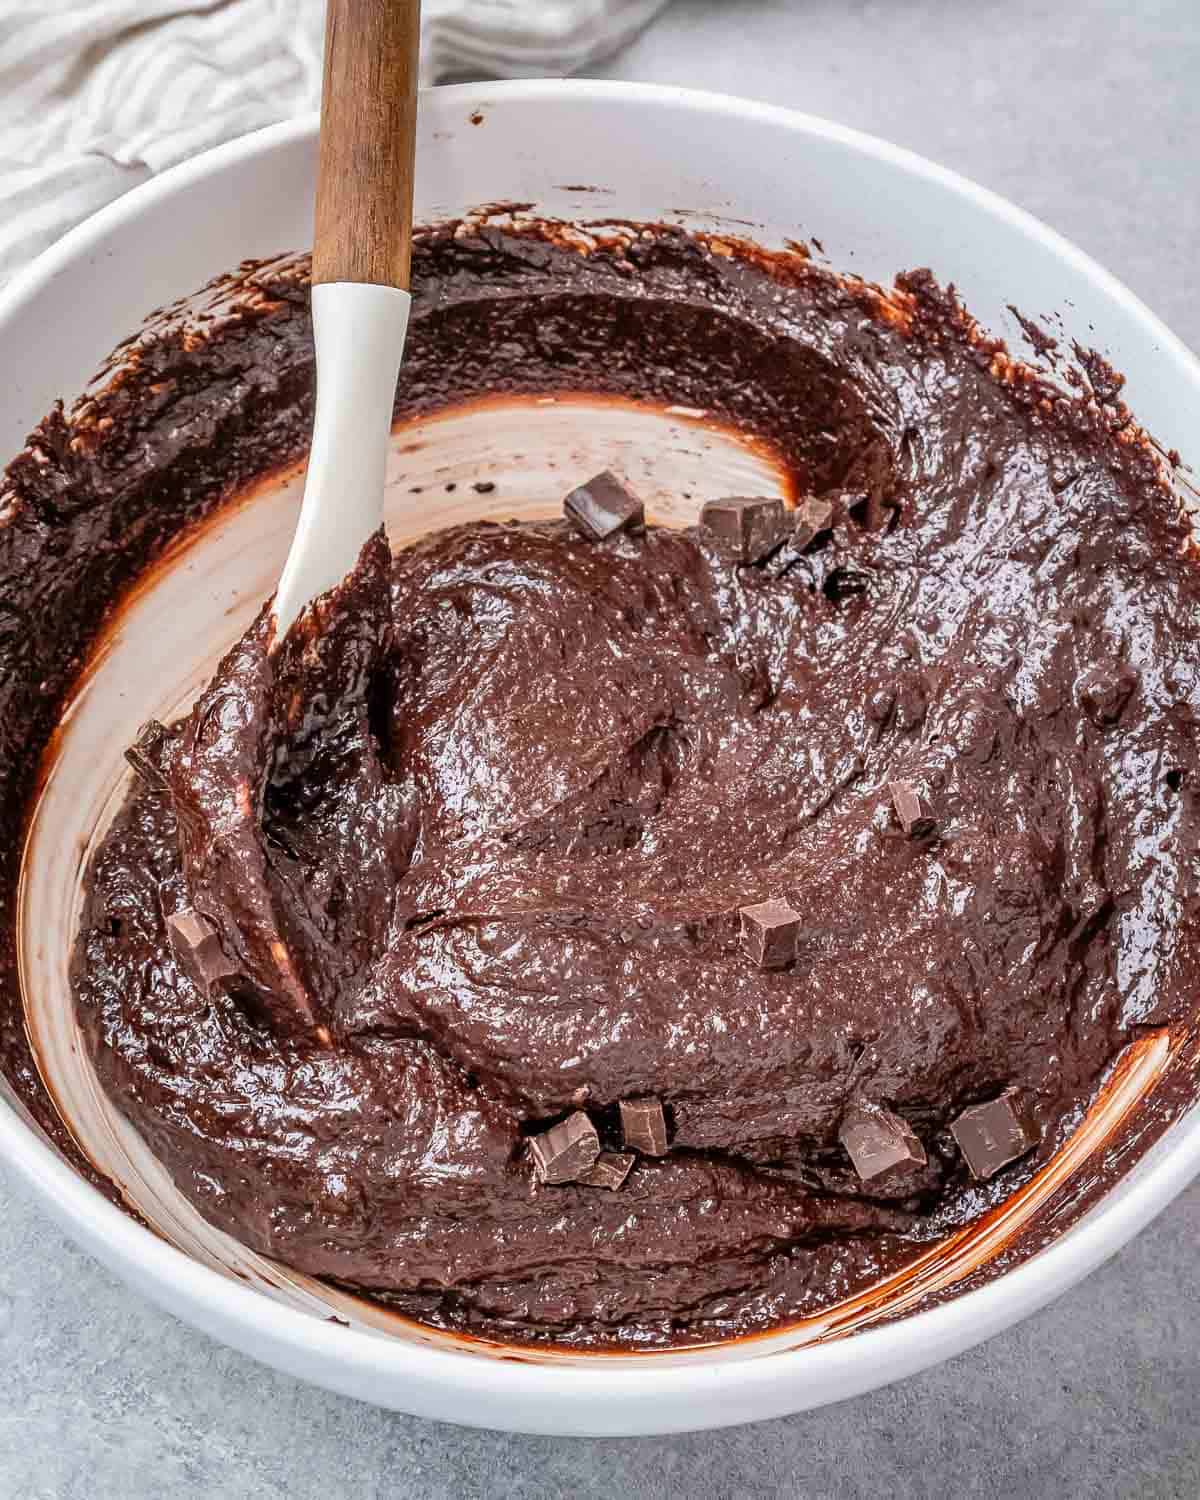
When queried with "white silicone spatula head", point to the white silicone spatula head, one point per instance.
{"points": [[362, 250]]}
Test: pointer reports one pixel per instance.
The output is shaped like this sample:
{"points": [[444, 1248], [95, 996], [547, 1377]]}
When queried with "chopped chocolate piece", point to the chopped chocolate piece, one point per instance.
{"points": [[770, 932], [746, 529], [198, 950], [1106, 689], [993, 1134], [145, 754], [566, 1150], [644, 1126], [910, 812], [603, 506], [906, 801], [876, 1140], [812, 517], [610, 1170]]}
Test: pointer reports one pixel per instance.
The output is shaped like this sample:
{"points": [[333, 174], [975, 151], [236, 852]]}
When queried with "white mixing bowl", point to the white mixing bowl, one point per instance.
{"points": [[710, 163]]}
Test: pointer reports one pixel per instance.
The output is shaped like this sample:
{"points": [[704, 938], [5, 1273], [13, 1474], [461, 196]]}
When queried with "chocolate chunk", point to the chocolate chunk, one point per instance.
{"points": [[910, 811], [198, 950], [644, 1126], [603, 506], [1105, 690], [993, 1134], [610, 1170], [812, 517], [566, 1150], [877, 1141], [770, 932], [145, 754], [746, 529]]}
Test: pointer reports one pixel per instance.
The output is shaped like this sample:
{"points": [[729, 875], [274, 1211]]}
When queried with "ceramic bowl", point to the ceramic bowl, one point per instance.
{"points": [[712, 164]]}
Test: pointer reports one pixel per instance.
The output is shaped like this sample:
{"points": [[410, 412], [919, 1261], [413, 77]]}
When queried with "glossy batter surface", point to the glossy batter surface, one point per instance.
{"points": [[476, 840]]}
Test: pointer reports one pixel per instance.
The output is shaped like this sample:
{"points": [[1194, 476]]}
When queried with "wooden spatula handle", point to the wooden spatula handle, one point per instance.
{"points": [[363, 229]]}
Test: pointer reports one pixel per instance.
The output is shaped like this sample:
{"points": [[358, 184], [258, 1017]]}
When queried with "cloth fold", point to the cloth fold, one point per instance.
{"points": [[95, 97]]}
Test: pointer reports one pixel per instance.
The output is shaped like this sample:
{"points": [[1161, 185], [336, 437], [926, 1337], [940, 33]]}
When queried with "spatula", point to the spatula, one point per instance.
{"points": [[362, 252]]}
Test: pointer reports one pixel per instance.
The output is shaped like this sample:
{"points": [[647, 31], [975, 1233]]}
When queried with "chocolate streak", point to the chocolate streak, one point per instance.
{"points": [[495, 874]]}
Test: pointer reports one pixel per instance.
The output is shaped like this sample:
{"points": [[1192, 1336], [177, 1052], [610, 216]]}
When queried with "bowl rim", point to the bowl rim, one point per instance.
{"points": [[892, 1351]]}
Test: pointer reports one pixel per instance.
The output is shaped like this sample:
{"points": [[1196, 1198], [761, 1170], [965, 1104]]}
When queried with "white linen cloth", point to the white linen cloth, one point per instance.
{"points": [[98, 95]]}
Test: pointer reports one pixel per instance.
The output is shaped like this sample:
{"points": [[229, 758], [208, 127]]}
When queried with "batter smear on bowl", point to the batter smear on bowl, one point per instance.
{"points": [[600, 933]]}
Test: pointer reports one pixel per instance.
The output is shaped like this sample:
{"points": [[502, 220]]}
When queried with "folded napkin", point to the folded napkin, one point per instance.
{"points": [[98, 95]]}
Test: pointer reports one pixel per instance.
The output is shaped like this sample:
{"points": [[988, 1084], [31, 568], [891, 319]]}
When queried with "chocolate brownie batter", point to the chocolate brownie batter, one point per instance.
{"points": [[618, 935]]}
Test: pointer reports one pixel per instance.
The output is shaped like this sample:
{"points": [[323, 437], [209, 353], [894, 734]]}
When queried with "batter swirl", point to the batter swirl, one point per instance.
{"points": [[468, 856]]}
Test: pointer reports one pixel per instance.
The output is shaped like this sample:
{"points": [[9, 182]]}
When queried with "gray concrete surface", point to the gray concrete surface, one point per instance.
{"points": [[1087, 113]]}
